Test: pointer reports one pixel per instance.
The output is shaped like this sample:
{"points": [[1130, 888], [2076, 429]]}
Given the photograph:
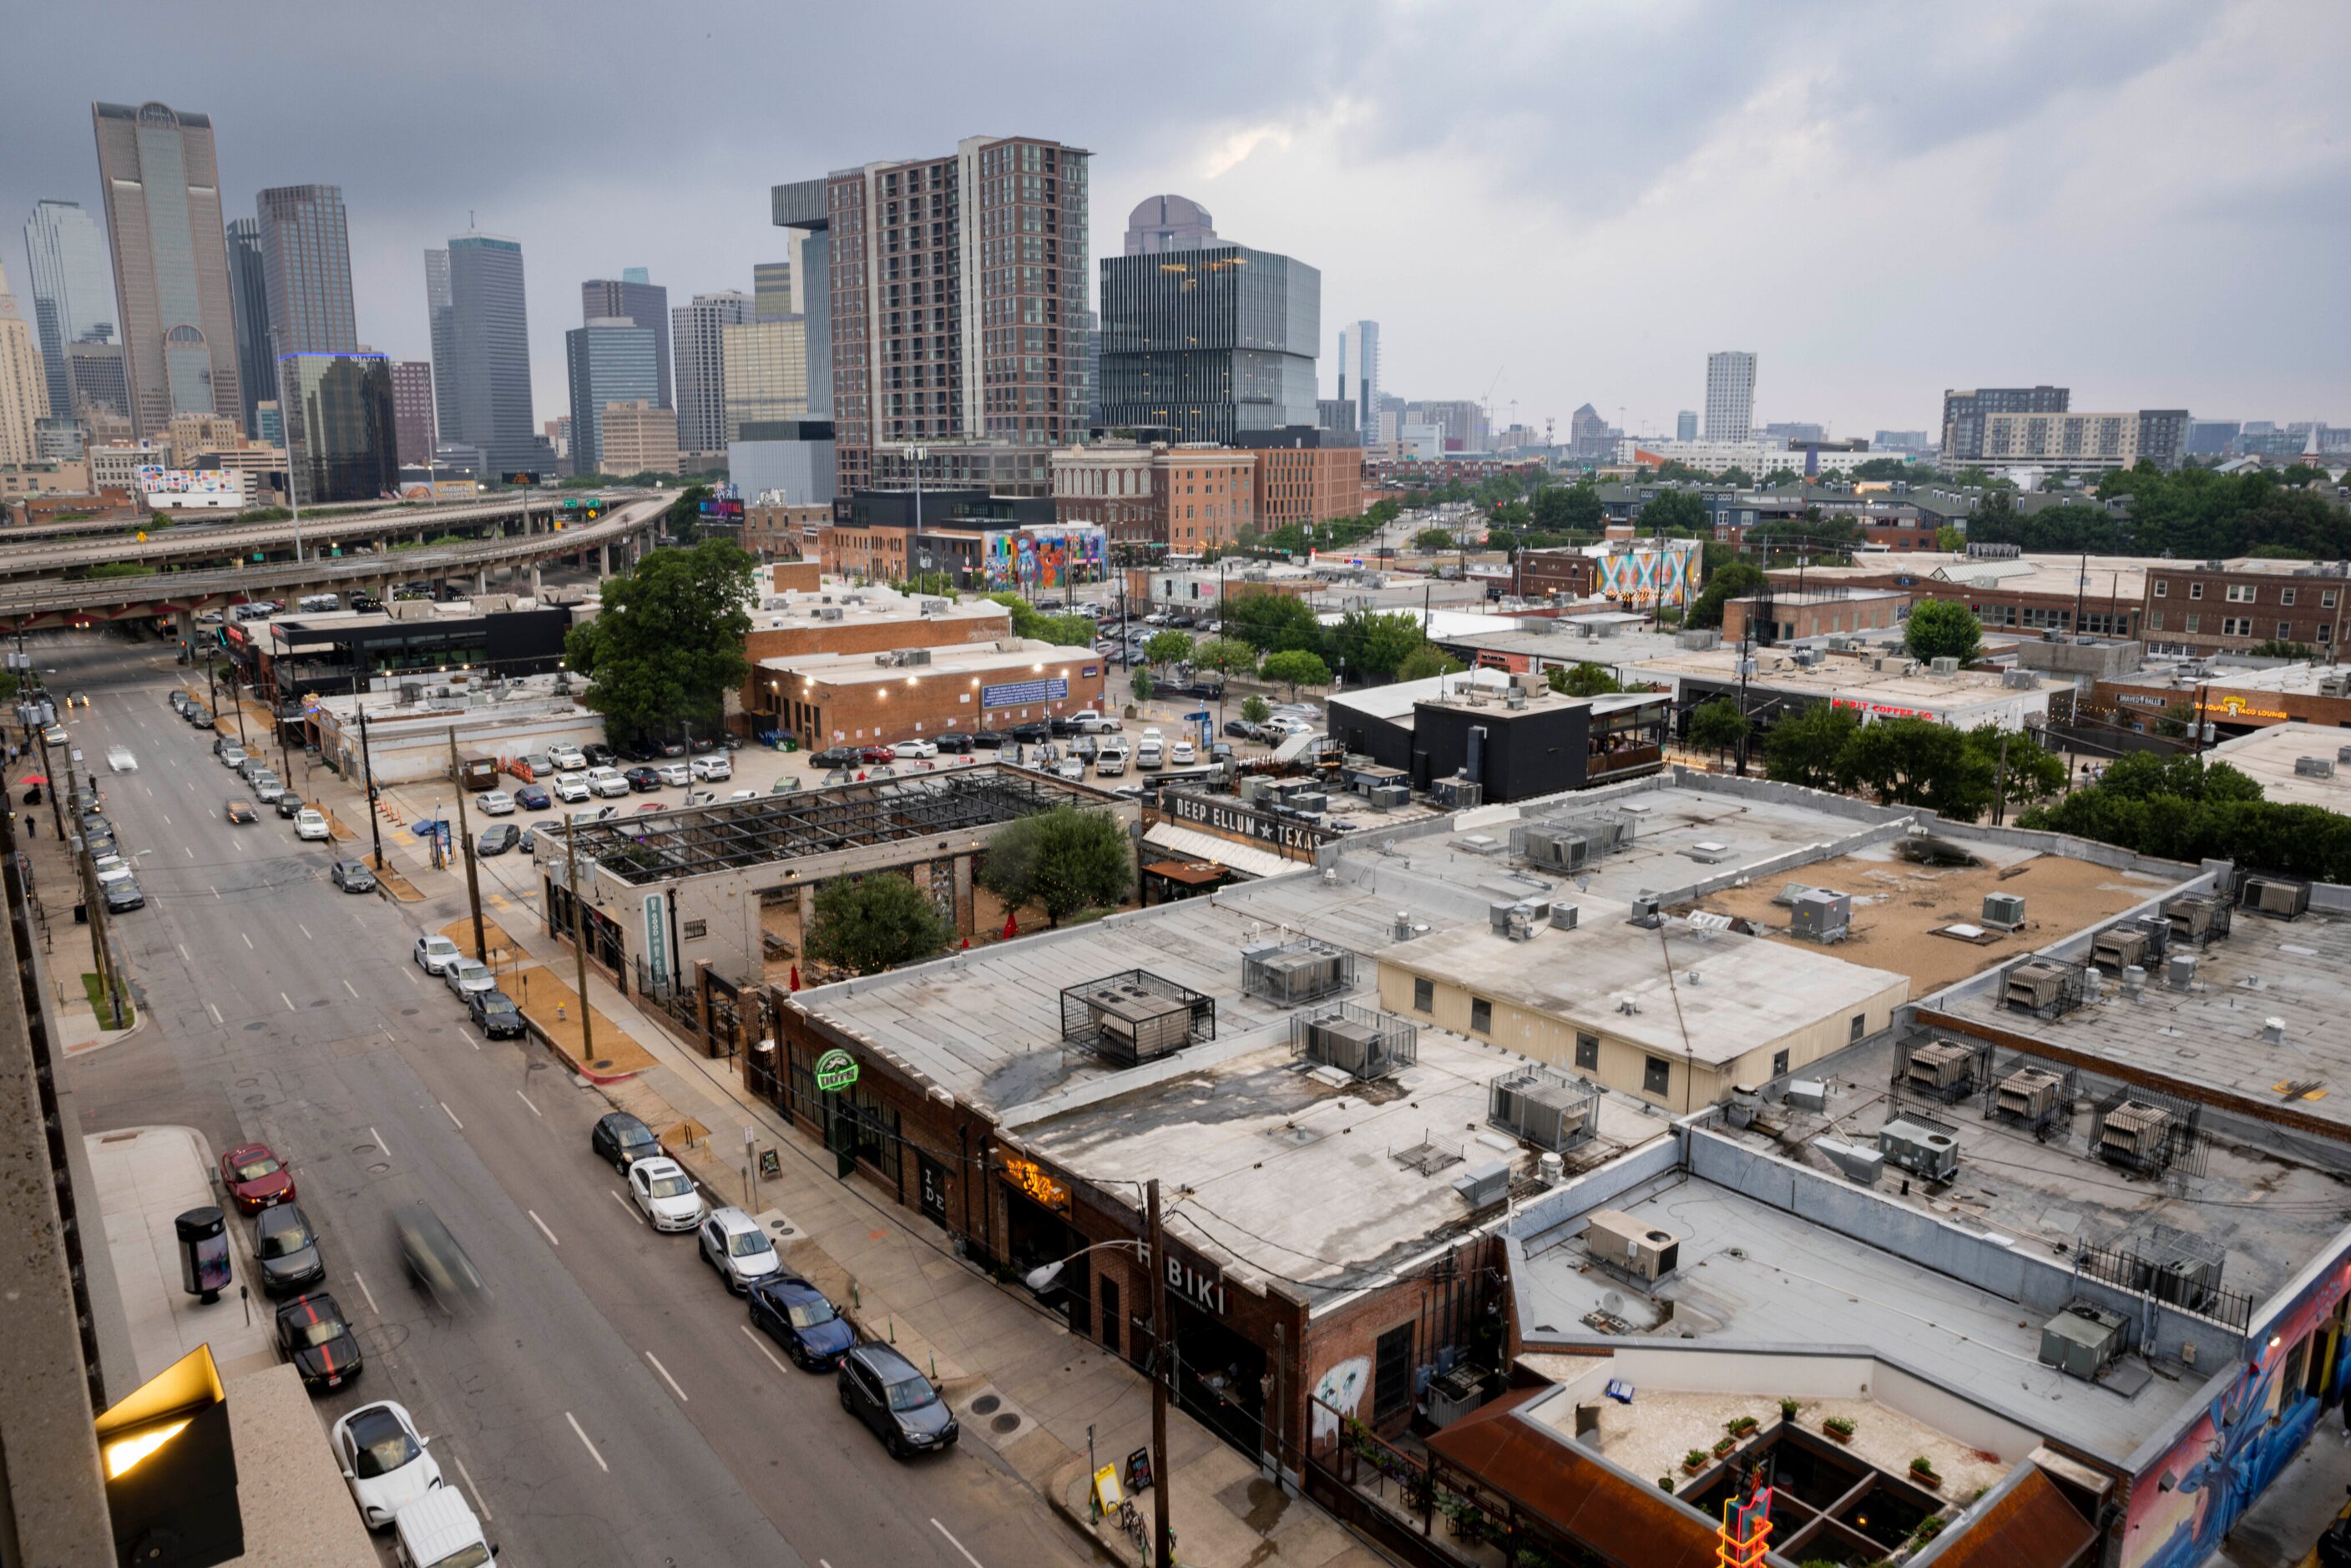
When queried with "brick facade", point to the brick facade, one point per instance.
{"points": [[1814, 615], [860, 704], [1543, 572], [1207, 496], [1308, 485], [2201, 610]]}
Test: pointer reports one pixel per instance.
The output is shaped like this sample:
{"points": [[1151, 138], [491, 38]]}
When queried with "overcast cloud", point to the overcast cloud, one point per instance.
{"points": [[2147, 201]]}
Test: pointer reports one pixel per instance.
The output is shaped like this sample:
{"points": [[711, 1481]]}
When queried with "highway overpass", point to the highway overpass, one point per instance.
{"points": [[28, 604]]}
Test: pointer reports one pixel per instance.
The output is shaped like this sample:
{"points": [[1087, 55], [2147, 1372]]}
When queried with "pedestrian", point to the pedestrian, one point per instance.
{"points": [[32, 826]]}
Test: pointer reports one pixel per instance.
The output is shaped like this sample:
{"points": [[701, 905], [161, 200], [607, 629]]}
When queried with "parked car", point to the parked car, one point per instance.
{"points": [[120, 761], [382, 1457], [796, 1315], [122, 897], [607, 781], [497, 840], [871, 754], [597, 756], [435, 954], [531, 798], [1240, 729], [310, 826], [286, 1249], [440, 1529], [255, 1178], [352, 876], [567, 757], [733, 1244], [312, 1334], [536, 765], [198, 714], [621, 1140], [895, 1401], [787, 785], [986, 739], [1031, 733], [231, 755], [954, 744], [660, 1187], [642, 777], [712, 768], [676, 775], [1183, 753], [242, 814], [497, 803], [289, 806], [266, 788], [917, 749], [495, 1014], [572, 788], [1288, 723], [834, 757], [111, 868], [1109, 759], [467, 975], [670, 748], [178, 699]]}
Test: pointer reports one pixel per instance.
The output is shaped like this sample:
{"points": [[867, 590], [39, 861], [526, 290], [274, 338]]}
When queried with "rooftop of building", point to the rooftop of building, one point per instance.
{"points": [[2122, 577], [2263, 566], [1831, 595], [2274, 758], [457, 698], [293, 628], [1485, 689], [838, 601], [1005, 656], [2225, 673], [1904, 685]]}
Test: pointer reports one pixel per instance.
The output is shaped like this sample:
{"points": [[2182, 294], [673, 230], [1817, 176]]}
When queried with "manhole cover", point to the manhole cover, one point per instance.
{"points": [[377, 1169], [256, 1024], [320, 1002], [1006, 1422], [257, 1099], [985, 1404], [408, 1012], [602, 1061], [246, 1082], [366, 1149]]}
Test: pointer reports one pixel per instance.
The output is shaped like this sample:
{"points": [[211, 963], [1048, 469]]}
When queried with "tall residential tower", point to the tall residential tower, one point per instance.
{"points": [[1730, 395], [1359, 375]]}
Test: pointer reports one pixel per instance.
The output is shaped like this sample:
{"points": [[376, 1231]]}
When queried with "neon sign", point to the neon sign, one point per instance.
{"points": [[1029, 1177]]}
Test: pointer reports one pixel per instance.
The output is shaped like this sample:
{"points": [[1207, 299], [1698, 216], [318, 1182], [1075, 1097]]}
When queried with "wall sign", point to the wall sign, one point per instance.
{"points": [[836, 1069], [1241, 823], [1029, 1176], [657, 937], [1052, 689], [1203, 1287]]}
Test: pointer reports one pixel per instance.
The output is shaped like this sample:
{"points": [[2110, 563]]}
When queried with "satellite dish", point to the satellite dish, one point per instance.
{"points": [[1611, 1303]]}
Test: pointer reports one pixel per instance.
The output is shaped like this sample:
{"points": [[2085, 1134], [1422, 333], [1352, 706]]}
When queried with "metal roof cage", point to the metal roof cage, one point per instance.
{"points": [[1941, 1070], [2149, 1132], [1135, 1016], [1290, 974], [2035, 1095], [1362, 1042], [1545, 1107], [2177, 1267]]}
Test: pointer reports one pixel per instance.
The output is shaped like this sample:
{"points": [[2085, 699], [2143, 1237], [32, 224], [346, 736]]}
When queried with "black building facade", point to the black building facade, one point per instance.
{"points": [[342, 443], [1206, 344], [342, 653], [1549, 745]]}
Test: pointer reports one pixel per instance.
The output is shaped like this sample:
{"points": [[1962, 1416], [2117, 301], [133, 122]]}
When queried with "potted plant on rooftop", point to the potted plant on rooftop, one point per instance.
{"points": [[1838, 1426], [1694, 1461], [1741, 1426], [1922, 1470]]}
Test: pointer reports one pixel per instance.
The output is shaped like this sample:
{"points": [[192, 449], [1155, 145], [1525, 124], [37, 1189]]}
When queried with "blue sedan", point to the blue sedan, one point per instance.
{"points": [[796, 1315], [531, 798]]}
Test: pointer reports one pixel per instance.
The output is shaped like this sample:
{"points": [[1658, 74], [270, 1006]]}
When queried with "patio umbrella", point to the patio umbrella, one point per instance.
{"points": [[31, 778]]}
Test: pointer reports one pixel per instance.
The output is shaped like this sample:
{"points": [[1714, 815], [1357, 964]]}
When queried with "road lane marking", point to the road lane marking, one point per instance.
{"points": [[479, 1507], [368, 1293], [305, 931], [674, 1388], [248, 940], [214, 891], [762, 1349], [191, 854], [213, 1010], [451, 1115], [626, 1207], [593, 1454], [958, 1545], [543, 1230], [525, 1100], [182, 946], [379, 1143], [288, 1000], [412, 978], [349, 987]]}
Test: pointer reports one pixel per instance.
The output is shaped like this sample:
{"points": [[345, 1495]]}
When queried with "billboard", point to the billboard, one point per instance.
{"points": [[169, 488], [723, 509], [1048, 556]]}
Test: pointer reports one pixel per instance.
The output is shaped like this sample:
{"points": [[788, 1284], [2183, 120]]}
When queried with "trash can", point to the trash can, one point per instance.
{"points": [[791, 744], [204, 1253]]}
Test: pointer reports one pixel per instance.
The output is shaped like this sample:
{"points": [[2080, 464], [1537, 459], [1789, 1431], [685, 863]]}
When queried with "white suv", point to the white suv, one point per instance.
{"points": [[572, 788], [608, 782], [676, 775], [717, 764], [569, 757]]}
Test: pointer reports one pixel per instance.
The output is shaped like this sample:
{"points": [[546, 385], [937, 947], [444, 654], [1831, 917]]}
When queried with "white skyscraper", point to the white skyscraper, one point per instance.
{"points": [[24, 388], [1730, 395]]}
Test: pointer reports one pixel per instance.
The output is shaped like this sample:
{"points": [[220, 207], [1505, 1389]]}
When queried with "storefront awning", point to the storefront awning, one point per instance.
{"points": [[1192, 844]]}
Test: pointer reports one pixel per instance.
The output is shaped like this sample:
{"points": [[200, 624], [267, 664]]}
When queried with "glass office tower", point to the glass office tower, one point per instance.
{"points": [[1209, 343], [342, 443]]}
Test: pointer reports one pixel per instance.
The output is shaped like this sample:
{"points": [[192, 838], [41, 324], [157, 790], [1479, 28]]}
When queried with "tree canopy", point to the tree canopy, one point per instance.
{"points": [[1735, 581], [1582, 679], [669, 643], [1910, 761], [868, 923], [1295, 667], [1375, 643], [2185, 809], [1226, 655], [1028, 621], [1272, 621], [1568, 509], [2192, 513], [1942, 629], [1719, 726], [1669, 511], [1425, 660], [1169, 647], [1433, 539], [1062, 861]]}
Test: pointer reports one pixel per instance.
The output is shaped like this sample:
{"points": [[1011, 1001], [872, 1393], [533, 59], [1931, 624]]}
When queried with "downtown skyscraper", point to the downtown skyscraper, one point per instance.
{"points": [[698, 332], [72, 292], [1359, 375], [24, 390], [481, 351], [161, 180], [305, 256], [248, 282], [634, 297], [1730, 395]]}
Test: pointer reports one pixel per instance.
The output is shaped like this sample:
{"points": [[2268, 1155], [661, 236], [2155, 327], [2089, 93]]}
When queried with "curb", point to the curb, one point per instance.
{"points": [[1057, 1493]]}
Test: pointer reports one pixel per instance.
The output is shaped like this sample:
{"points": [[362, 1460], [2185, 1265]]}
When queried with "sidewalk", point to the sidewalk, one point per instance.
{"points": [[1041, 1399]]}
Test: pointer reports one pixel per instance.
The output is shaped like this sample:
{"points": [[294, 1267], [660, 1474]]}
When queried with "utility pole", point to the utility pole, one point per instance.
{"points": [[578, 940], [1746, 730], [367, 773], [94, 905], [2000, 784], [1163, 1551], [465, 831]]}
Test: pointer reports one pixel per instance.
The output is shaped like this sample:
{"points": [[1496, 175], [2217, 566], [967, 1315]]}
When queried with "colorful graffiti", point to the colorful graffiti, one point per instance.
{"points": [[1340, 1392], [1651, 574], [2182, 1508], [1044, 557]]}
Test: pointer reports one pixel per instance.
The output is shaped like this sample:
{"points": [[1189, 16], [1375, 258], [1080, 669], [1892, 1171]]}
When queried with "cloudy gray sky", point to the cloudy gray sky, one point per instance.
{"points": [[2149, 201]]}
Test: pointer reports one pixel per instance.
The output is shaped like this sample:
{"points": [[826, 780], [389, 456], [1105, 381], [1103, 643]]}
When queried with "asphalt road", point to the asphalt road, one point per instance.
{"points": [[608, 1406]]}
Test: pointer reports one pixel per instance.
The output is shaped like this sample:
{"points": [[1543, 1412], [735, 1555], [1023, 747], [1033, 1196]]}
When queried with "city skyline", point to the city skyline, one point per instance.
{"points": [[2133, 217]]}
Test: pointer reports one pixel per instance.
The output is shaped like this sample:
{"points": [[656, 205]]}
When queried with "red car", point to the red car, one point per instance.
{"points": [[877, 754], [255, 1178]]}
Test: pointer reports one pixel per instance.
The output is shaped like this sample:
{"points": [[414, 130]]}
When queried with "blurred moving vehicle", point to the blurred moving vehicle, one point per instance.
{"points": [[434, 1261]]}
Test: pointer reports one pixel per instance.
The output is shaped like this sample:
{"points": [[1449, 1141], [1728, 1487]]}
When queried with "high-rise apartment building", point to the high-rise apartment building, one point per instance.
{"points": [[1590, 438], [1686, 426], [441, 316], [771, 291], [248, 282], [799, 210], [638, 438], [341, 434], [766, 373], [1730, 395], [632, 298], [1359, 375], [1463, 422], [71, 290], [611, 361], [489, 344], [412, 411], [958, 291], [1168, 223], [1964, 414], [171, 261], [697, 332], [1205, 343], [306, 257], [24, 384]]}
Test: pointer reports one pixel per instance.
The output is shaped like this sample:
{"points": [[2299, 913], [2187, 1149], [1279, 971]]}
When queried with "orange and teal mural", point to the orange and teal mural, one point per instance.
{"points": [[1044, 557], [1651, 574]]}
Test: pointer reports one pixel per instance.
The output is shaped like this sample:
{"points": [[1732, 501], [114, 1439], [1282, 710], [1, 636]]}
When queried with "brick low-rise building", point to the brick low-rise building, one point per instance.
{"points": [[1297, 483], [2229, 606], [1788, 617], [1185, 497], [833, 618], [867, 698]]}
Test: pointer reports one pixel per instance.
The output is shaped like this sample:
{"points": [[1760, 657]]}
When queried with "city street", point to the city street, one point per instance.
{"points": [[607, 1405]]}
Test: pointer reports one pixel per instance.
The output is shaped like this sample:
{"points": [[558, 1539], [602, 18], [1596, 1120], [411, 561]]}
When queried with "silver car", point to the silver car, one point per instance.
{"points": [[733, 1243], [466, 976]]}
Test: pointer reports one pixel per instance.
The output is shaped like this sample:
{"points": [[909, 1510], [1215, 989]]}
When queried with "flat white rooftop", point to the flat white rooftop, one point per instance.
{"points": [[1008, 657], [2269, 755]]}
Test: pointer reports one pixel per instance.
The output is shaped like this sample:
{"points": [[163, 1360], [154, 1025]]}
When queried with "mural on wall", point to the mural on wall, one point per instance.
{"points": [[2251, 1432], [1652, 574], [1340, 1392], [1044, 558]]}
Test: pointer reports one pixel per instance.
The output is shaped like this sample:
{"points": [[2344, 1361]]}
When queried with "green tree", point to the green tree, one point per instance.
{"points": [[1295, 667], [1673, 511], [2022, 769], [681, 518], [1918, 762], [1582, 679], [1227, 656], [868, 923], [668, 644], [1948, 537], [1062, 861], [1807, 748], [1374, 642], [1942, 629], [1778, 476], [1170, 647], [1142, 684], [1425, 660], [1256, 710], [1273, 623], [1433, 539], [1882, 468], [1735, 474], [1736, 580], [2279, 648], [1719, 726], [1569, 509]]}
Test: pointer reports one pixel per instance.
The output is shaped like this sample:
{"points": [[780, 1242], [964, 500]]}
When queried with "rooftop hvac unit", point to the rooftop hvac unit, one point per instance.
{"points": [[2313, 768], [1556, 849], [2334, 686], [828, 612], [410, 694], [1456, 794], [1292, 973], [1135, 1016], [1515, 699], [2084, 1340], [913, 655], [1630, 1246], [2135, 1133], [1944, 665], [2275, 897], [1455, 1394], [2003, 910], [1819, 914], [2038, 986], [1807, 657], [1562, 917], [1482, 1186], [1925, 1147], [1307, 801], [2020, 680], [2342, 753], [1644, 909], [1362, 1042], [1862, 1163], [2119, 947], [1255, 788], [1388, 796], [1146, 1025], [934, 607], [2179, 972], [1943, 1067], [1544, 1106], [2033, 1095], [2196, 919]]}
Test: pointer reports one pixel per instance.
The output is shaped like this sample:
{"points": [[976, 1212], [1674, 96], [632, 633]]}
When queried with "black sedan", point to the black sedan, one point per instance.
{"points": [[623, 1140], [123, 896], [835, 757], [495, 1014], [986, 739], [312, 1334], [599, 755], [289, 806], [643, 780], [352, 876], [795, 1315], [285, 1248], [1240, 729], [498, 838], [955, 744], [1033, 732]]}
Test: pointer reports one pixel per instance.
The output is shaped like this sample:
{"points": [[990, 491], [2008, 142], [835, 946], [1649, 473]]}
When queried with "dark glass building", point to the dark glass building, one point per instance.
{"points": [[342, 442], [1207, 344]]}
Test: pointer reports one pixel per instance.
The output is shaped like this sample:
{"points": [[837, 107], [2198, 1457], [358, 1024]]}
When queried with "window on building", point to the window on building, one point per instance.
{"points": [[1656, 1076], [1424, 996], [1779, 1064], [2285, 596], [2236, 626], [2326, 598], [2162, 589], [2195, 590], [1482, 1016], [1392, 1372], [1587, 1051], [2195, 622], [2154, 619], [2242, 594], [2285, 632], [1858, 1026]]}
